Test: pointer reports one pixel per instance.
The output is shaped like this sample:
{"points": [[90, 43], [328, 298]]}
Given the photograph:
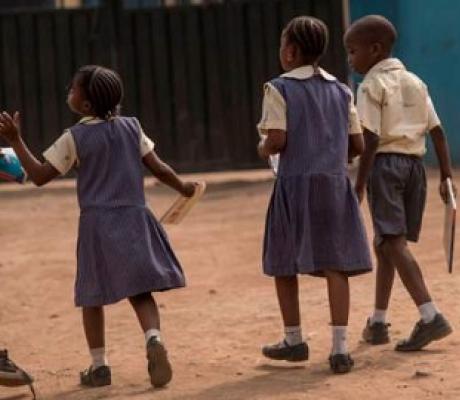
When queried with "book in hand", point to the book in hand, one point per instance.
{"points": [[10, 167], [449, 225], [182, 205]]}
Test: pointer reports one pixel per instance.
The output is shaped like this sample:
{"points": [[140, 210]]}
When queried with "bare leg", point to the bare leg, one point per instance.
{"points": [[99, 373], [287, 289], [93, 323], [159, 368], [338, 288], [385, 279], [397, 252], [339, 297], [292, 348], [146, 310]]}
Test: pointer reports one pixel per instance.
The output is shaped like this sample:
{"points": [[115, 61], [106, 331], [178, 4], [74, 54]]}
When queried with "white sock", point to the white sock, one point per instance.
{"points": [[293, 335], [98, 357], [378, 316], [152, 333], [339, 340], [428, 311]]}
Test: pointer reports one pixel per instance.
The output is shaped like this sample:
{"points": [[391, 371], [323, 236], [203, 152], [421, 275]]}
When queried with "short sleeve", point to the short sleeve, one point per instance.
{"points": [[369, 106], [146, 144], [433, 119], [62, 154], [354, 124], [273, 110]]}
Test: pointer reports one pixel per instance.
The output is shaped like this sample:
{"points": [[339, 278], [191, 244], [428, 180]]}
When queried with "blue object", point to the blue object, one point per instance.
{"points": [[10, 167]]}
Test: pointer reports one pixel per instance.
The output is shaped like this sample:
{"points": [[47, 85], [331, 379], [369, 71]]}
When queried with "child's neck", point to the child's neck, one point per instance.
{"points": [[301, 64], [88, 116], [380, 59]]}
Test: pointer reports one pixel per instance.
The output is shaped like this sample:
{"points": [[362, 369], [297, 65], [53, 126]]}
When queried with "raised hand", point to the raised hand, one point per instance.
{"points": [[10, 127]]}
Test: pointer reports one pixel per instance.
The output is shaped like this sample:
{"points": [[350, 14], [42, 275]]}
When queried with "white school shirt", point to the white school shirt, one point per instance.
{"points": [[274, 105], [395, 104], [62, 154]]}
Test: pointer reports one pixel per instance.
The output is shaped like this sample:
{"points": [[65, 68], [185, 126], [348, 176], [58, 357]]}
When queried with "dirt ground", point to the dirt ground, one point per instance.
{"points": [[215, 327]]}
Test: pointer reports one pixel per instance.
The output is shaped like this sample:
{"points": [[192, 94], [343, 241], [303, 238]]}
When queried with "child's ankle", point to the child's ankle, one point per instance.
{"points": [[150, 333], [379, 316], [293, 335], [339, 340], [98, 357], [428, 311]]}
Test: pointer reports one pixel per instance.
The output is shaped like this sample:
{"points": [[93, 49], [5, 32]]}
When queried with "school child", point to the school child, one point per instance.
{"points": [[122, 251], [396, 111], [313, 225]]}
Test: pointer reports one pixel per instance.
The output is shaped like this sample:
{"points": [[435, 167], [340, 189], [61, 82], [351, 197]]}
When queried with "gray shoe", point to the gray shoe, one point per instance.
{"points": [[96, 377], [282, 351], [376, 333], [159, 368], [425, 333]]}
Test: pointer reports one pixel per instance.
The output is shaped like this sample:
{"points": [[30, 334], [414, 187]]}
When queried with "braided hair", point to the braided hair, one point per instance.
{"points": [[310, 35], [102, 87]]}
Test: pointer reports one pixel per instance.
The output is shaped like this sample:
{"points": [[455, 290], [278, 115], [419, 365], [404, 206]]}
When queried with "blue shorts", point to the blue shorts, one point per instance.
{"points": [[397, 193]]}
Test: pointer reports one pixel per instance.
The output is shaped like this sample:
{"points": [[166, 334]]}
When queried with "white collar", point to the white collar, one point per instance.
{"points": [[306, 72], [89, 120], [389, 64]]}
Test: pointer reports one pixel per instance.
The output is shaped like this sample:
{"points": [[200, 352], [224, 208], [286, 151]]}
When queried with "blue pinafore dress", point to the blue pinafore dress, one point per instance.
{"points": [[313, 221], [122, 250]]}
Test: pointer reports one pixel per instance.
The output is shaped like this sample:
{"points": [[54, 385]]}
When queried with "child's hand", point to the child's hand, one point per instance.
{"points": [[444, 191], [10, 127], [188, 189], [261, 149]]}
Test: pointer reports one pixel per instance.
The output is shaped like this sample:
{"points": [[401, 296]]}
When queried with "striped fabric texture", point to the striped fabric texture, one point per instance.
{"points": [[122, 250], [313, 221]]}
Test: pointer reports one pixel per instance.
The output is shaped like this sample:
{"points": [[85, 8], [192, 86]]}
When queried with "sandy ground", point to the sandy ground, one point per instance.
{"points": [[215, 327]]}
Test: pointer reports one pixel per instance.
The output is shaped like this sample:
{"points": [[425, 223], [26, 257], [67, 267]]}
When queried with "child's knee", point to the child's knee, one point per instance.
{"points": [[286, 279], [335, 275], [391, 245], [140, 298], [381, 253]]}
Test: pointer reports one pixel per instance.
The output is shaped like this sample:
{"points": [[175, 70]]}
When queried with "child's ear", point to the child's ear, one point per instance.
{"points": [[87, 105], [376, 49]]}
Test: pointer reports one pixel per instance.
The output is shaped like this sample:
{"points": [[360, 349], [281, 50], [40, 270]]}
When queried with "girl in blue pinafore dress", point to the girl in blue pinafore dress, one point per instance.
{"points": [[313, 225], [122, 250]]}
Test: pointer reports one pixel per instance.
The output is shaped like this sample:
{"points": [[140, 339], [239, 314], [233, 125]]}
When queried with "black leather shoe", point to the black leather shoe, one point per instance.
{"points": [[282, 351]]}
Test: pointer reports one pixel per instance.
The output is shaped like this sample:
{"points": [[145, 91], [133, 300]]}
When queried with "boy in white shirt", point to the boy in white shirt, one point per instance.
{"points": [[396, 112]]}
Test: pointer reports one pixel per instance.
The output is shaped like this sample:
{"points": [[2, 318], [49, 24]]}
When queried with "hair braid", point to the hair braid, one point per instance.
{"points": [[103, 89], [309, 34]]}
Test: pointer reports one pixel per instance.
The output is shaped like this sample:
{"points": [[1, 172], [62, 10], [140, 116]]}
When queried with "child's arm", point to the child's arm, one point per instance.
{"points": [[165, 174], [39, 173], [273, 143], [355, 131], [371, 142], [442, 152], [355, 146]]}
